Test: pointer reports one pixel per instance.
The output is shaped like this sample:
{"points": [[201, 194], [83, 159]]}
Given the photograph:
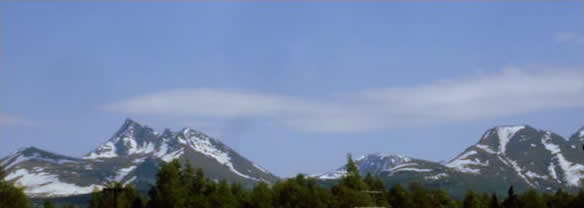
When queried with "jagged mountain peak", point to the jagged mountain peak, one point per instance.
{"points": [[388, 164], [392, 157], [505, 131], [578, 137], [131, 155]]}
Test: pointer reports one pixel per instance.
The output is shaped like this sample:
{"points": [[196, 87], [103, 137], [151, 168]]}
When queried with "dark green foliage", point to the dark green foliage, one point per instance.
{"points": [[352, 191], [399, 197], [11, 196], [511, 201], [262, 196], [494, 202], [471, 200], [48, 204], [181, 186], [2, 173], [70, 206], [116, 195], [531, 199]]}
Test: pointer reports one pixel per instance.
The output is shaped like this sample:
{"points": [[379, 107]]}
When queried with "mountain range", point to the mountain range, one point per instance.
{"points": [[519, 155], [131, 155]]}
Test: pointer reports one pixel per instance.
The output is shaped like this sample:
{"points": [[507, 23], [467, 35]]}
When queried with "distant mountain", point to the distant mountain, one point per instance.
{"points": [[505, 155], [517, 155], [131, 155]]}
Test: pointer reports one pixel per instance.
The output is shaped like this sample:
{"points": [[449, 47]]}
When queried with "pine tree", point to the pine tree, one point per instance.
{"points": [[262, 196], [169, 190], [531, 199], [494, 202], [242, 196], [471, 200], [351, 191], [11, 196], [398, 196], [441, 199], [511, 201], [421, 197]]}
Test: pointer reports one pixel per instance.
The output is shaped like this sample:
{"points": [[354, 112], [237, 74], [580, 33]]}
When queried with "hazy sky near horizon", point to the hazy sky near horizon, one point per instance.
{"points": [[291, 86]]}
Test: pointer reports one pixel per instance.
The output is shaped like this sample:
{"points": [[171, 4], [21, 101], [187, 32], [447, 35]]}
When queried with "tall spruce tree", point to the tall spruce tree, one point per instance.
{"points": [[471, 200], [511, 201]]}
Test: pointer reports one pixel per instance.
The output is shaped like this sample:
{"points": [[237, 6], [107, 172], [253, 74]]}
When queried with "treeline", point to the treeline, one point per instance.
{"points": [[181, 186]]}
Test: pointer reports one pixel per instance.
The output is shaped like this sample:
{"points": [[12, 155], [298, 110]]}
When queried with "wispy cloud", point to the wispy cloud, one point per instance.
{"points": [[478, 97], [570, 37], [11, 120]]}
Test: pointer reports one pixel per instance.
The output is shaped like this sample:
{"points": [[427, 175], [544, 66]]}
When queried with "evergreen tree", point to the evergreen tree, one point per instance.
{"points": [[11, 196], [531, 199], [242, 196], [494, 202], [441, 199], [118, 195], [169, 190], [376, 189], [222, 196], [262, 196], [421, 197], [351, 191], [561, 199], [399, 197], [471, 200], [511, 201]]}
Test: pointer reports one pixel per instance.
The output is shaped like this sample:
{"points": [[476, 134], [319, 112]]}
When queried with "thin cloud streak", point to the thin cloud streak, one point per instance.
{"points": [[508, 93]]}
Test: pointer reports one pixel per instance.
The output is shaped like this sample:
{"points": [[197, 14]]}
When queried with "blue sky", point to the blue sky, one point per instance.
{"points": [[291, 86]]}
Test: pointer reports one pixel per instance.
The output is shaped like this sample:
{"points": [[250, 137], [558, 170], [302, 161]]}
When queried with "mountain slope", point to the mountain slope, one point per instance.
{"points": [[517, 155], [131, 155]]}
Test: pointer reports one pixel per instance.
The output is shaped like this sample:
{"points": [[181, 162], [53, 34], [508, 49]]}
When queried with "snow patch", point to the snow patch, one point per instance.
{"points": [[123, 172], [572, 171], [139, 160], [519, 171], [333, 175], [19, 157], [535, 175], [260, 168], [173, 155], [132, 179], [505, 134], [463, 164], [107, 150], [436, 177], [412, 169], [485, 148], [44, 184]]}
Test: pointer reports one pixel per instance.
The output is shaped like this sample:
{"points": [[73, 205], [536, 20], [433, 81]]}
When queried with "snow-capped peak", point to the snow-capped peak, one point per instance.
{"points": [[505, 133], [498, 137], [394, 158]]}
